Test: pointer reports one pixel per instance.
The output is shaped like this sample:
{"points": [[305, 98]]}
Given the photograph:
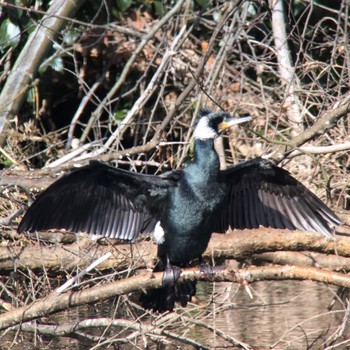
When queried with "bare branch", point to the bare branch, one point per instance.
{"points": [[27, 64], [326, 122], [128, 65], [55, 302], [306, 258], [139, 328], [285, 66], [234, 245]]}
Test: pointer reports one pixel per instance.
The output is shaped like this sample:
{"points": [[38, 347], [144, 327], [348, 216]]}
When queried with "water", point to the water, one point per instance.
{"points": [[282, 315]]}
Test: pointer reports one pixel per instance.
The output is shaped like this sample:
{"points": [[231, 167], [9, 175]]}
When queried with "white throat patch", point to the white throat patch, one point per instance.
{"points": [[158, 233], [203, 131]]}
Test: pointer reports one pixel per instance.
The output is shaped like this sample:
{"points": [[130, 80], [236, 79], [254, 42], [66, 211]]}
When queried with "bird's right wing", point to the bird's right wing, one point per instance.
{"points": [[260, 193], [100, 199]]}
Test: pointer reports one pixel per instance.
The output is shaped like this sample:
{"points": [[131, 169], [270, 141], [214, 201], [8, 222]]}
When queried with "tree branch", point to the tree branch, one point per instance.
{"points": [[234, 245], [95, 115], [55, 302], [285, 67], [27, 64], [326, 122], [305, 258]]}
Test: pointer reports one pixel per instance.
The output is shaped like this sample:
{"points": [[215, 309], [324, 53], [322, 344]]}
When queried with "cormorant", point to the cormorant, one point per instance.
{"points": [[182, 207]]}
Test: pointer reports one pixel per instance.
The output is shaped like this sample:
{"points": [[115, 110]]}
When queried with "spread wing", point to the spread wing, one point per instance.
{"points": [[259, 193], [100, 199]]}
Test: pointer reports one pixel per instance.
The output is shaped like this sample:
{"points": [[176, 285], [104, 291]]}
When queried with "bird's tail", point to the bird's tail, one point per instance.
{"points": [[163, 299]]}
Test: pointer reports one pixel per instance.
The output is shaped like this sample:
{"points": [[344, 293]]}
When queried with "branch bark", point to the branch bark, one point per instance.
{"points": [[285, 67], [55, 302], [326, 122], [124, 73], [234, 245], [154, 142], [27, 65], [305, 258], [138, 327]]}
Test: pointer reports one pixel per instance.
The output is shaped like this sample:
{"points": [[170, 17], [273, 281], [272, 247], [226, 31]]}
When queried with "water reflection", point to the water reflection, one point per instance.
{"points": [[282, 315]]}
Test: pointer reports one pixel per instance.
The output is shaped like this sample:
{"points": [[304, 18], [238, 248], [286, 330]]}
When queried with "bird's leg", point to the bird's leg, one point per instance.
{"points": [[171, 274], [209, 269]]}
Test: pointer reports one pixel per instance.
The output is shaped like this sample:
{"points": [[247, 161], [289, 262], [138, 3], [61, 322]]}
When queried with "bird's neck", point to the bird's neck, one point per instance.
{"points": [[205, 156]]}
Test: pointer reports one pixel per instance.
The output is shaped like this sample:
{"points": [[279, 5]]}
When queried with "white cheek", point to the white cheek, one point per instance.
{"points": [[158, 233], [203, 131]]}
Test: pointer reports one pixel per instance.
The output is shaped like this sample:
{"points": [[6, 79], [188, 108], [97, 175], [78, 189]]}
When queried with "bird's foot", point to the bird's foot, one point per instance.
{"points": [[171, 275], [209, 269]]}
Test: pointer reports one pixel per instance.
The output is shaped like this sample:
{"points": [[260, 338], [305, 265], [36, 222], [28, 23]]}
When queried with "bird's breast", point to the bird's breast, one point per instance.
{"points": [[189, 219]]}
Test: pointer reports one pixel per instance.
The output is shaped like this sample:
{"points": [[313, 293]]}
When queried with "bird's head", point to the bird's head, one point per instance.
{"points": [[211, 124]]}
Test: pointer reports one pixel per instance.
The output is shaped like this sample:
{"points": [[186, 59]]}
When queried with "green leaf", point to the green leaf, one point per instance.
{"points": [[30, 96], [217, 16], [57, 64], [123, 5], [6, 162], [70, 36], [159, 8], [10, 34], [55, 61], [15, 14], [202, 3], [120, 115]]}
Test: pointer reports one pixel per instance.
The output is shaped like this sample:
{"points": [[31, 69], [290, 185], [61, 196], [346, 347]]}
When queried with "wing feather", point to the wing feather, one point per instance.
{"points": [[100, 199], [246, 208], [253, 212], [259, 193], [239, 214]]}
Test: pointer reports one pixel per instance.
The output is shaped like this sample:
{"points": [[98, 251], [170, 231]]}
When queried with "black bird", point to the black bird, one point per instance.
{"points": [[182, 207]]}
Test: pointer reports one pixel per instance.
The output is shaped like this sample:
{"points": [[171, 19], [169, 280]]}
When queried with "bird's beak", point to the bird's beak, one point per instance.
{"points": [[233, 121]]}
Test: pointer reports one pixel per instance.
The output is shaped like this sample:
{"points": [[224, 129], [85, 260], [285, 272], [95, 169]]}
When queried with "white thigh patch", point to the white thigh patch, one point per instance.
{"points": [[158, 233]]}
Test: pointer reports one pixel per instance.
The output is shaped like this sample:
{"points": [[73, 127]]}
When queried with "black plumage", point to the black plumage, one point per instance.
{"points": [[182, 207]]}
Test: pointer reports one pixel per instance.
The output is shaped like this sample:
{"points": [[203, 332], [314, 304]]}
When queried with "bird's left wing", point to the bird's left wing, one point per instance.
{"points": [[260, 193], [100, 199]]}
